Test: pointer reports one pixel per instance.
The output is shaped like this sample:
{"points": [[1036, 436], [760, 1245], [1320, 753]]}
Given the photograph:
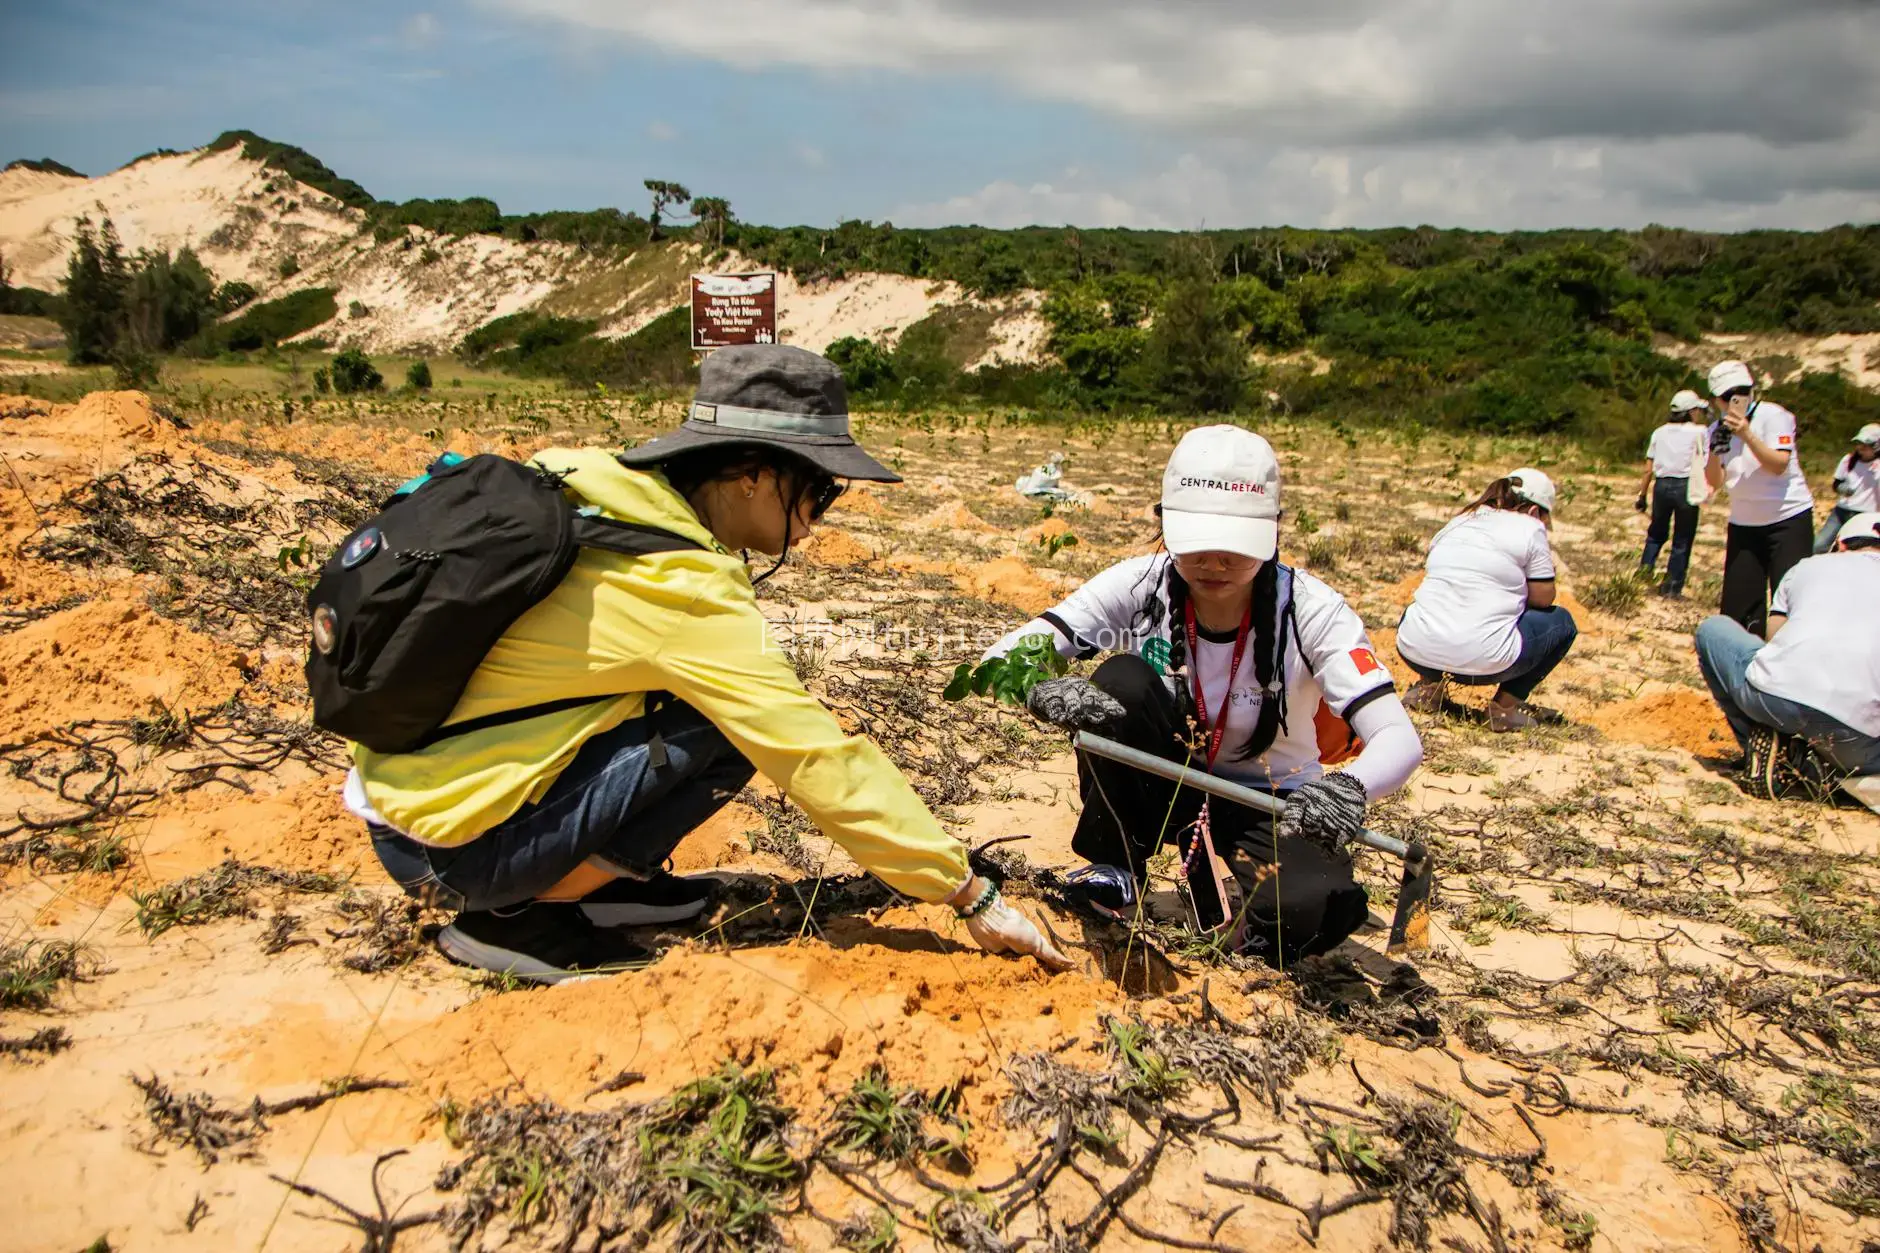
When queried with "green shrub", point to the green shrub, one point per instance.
{"points": [[296, 163], [353, 371], [322, 381], [267, 324], [289, 266], [233, 295], [1620, 595], [418, 376]]}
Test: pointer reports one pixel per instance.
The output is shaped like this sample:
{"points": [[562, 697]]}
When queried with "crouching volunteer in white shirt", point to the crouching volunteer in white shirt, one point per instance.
{"points": [[1485, 610], [1674, 463], [1818, 675], [1772, 513], [1856, 486], [1229, 661], [638, 696]]}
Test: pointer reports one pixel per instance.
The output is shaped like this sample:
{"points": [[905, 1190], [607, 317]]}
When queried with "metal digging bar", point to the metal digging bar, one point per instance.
{"points": [[1409, 929]]}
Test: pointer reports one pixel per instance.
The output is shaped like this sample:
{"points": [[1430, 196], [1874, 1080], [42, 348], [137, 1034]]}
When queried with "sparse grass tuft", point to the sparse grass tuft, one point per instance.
{"points": [[1622, 595], [32, 970], [226, 891]]}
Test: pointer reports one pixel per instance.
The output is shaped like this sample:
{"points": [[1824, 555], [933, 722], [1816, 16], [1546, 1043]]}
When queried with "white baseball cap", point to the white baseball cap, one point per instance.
{"points": [[1726, 375], [1686, 400], [1220, 493], [1860, 526], [1869, 434], [1533, 487]]}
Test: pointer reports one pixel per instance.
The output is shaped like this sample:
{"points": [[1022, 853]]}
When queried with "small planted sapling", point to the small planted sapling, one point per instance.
{"points": [[1009, 678]]}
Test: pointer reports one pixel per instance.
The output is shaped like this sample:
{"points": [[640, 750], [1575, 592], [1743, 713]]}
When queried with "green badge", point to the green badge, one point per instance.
{"points": [[1156, 652]]}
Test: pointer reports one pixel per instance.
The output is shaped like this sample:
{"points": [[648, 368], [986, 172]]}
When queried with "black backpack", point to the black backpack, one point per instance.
{"points": [[408, 607]]}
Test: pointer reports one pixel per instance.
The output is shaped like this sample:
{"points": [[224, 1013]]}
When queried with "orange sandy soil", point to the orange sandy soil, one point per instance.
{"points": [[205, 1009]]}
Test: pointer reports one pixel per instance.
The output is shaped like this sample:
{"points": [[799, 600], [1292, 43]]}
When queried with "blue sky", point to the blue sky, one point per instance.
{"points": [[1095, 112]]}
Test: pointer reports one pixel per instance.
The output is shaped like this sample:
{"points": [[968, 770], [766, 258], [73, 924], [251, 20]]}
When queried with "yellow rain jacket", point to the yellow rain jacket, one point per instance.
{"points": [[682, 622]]}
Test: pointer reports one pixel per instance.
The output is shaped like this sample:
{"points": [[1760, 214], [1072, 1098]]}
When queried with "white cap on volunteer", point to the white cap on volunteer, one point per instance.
{"points": [[1860, 526], [1220, 493], [1728, 375], [1533, 487], [1685, 401], [1869, 434]]}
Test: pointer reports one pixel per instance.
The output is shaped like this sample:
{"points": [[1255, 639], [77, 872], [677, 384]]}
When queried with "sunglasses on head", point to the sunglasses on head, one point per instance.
{"points": [[823, 491]]}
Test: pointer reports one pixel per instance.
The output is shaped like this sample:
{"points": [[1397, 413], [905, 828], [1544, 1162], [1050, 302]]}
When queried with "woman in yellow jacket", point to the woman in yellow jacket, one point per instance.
{"points": [[546, 834]]}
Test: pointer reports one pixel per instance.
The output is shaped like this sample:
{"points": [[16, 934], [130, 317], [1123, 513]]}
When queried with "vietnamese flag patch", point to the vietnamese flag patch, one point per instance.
{"points": [[1364, 660], [1784, 441]]}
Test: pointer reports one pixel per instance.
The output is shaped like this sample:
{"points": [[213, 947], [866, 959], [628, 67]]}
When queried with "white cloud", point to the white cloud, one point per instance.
{"points": [[661, 132], [1461, 110], [420, 30]]}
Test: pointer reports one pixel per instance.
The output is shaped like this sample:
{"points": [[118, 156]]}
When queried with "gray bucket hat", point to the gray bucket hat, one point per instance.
{"points": [[770, 394]]}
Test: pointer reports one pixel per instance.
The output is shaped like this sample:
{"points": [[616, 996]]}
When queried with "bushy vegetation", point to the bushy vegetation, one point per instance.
{"points": [[44, 165], [267, 324], [297, 163], [122, 310], [353, 371], [418, 376]]}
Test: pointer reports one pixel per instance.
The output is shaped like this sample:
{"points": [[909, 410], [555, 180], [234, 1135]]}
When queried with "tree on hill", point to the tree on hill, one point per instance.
{"points": [[44, 165], [713, 213], [665, 195], [97, 278], [6, 286], [296, 163]]}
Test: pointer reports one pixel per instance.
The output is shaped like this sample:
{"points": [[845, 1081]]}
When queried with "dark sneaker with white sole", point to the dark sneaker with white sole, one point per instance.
{"points": [[1106, 891], [543, 942], [658, 901]]}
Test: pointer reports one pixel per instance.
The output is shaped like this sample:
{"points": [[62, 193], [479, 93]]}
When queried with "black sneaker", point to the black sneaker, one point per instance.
{"points": [[544, 942], [662, 899], [1107, 891], [1760, 760]]}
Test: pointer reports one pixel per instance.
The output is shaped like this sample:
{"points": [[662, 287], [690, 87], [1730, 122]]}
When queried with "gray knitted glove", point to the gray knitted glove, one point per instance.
{"points": [[1327, 811], [1076, 705]]}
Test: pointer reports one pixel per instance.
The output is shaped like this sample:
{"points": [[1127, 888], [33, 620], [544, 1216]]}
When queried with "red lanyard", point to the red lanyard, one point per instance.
{"points": [[1227, 697]]}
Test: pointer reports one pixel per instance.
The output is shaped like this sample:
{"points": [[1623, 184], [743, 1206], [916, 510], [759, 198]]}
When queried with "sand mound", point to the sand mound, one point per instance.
{"points": [[831, 547], [955, 516], [860, 500], [1050, 527], [1679, 718], [1009, 581], [23, 407], [108, 658], [304, 827], [933, 1011]]}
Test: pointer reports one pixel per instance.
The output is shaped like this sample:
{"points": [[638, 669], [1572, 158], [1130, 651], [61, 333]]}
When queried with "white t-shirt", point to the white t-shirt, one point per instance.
{"points": [[1827, 655], [1757, 497], [1125, 609], [1463, 617], [1864, 478], [1677, 450]]}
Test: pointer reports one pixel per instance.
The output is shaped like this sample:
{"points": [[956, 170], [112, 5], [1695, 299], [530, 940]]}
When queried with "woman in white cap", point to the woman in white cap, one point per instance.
{"points": [[1674, 463], [1226, 659], [1772, 512], [640, 694], [1856, 486], [1485, 611]]}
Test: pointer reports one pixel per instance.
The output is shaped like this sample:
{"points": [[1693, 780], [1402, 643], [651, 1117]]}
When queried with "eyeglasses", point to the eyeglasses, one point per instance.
{"points": [[823, 493]]}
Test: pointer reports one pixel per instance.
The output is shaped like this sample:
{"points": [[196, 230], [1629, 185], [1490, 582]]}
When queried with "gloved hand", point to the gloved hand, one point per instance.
{"points": [[999, 928], [1327, 811], [1640, 504], [1720, 437], [1075, 705]]}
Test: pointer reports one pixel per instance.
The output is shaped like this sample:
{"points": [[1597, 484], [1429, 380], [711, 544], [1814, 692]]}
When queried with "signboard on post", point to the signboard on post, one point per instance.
{"points": [[732, 309]]}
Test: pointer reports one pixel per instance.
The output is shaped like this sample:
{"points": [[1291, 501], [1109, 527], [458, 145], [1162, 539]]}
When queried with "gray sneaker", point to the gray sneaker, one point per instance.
{"points": [[1425, 696]]}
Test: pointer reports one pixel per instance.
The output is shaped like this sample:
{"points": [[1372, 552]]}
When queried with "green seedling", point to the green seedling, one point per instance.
{"points": [[1009, 679], [32, 971], [1055, 544]]}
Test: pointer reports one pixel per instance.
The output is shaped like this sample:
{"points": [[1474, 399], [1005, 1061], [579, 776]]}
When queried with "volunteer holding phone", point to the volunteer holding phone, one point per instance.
{"points": [[1753, 455]]}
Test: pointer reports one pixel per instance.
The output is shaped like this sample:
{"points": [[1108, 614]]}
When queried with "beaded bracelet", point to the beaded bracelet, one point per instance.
{"points": [[980, 906]]}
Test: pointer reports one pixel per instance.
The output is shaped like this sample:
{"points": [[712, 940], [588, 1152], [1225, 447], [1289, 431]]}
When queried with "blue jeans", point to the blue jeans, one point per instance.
{"points": [[1547, 636], [1831, 528], [1724, 651], [613, 806]]}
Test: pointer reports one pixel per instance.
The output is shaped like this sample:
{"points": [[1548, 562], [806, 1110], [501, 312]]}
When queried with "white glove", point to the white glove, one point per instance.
{"points": [[999, 928]]}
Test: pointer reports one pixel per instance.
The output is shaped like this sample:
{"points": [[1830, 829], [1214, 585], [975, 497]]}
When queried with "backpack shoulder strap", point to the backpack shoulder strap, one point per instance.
{"points": [[632, 539]]}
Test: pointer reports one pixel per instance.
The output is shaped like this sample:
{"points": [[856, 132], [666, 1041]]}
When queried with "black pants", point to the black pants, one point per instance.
{"points": [[1308, 905], [1754, 560], [1675, 516]]}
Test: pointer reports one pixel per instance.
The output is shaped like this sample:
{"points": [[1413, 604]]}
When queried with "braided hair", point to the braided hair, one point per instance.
{"points": [[1266, 661]]}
